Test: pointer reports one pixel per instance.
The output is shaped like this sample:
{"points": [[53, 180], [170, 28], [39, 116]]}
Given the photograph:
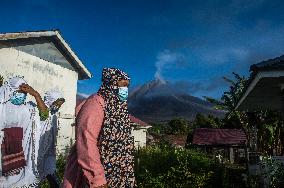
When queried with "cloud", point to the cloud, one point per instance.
{"points": [[167, 60], [223, 55], [193, 87], [220, 38], [172, 61], [181, 87]]}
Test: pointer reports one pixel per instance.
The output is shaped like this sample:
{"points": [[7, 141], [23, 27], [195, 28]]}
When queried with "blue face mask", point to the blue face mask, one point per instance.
{"points": [[18, 98], [123, 93]]}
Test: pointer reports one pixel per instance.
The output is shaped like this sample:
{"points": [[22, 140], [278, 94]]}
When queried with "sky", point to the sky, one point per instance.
{"points": [[195, 43]]}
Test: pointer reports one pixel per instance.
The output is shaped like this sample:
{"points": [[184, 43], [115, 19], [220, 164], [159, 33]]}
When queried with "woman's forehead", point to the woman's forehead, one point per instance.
{"points": [[123, 82]]}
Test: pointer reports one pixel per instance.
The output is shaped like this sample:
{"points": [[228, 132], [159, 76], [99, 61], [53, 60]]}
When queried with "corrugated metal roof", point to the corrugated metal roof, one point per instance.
{"points": [[270, 64], [206, 136], [55, 37]]}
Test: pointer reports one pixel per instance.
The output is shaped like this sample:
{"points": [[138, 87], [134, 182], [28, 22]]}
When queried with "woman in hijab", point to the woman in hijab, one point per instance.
{"points": [[103, 154], [19, 138], [53, 99]]}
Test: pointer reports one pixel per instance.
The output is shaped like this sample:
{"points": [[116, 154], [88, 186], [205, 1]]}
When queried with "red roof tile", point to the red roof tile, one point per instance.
{"points": [[205, 136], [138, 121]]}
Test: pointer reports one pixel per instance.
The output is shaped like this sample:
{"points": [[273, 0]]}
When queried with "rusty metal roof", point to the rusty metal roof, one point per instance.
{"points": [[206, 136]]}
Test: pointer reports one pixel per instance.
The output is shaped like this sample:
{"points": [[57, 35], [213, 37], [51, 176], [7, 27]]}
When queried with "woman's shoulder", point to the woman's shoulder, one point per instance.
{"points": [[95, 98], [93, 104]]}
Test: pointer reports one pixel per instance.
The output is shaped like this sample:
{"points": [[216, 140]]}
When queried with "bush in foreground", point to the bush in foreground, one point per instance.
{"points": [[164, 166]]}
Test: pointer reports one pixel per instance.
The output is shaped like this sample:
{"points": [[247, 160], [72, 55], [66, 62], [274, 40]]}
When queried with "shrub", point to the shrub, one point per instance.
{"points": [[272, 172], [233, 176], [61, 160], [60, 167], [164, 166], [178, 126]]}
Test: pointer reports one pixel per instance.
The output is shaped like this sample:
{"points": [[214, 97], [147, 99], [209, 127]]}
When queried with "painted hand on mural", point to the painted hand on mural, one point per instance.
{"points": [[1, 80], [28, 89], [43, 109]]}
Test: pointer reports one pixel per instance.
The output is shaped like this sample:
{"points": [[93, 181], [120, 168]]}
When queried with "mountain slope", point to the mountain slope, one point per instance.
{"points": [[159, 101]]}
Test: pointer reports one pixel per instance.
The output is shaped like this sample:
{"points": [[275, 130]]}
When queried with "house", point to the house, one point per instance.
{"points": [[264, 91], [265, 88], [139, 131], [177, 141], [222, 143], [46, 61]]}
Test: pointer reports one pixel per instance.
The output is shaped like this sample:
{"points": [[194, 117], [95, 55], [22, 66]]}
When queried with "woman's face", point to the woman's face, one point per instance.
{"points": [[123, 83]]}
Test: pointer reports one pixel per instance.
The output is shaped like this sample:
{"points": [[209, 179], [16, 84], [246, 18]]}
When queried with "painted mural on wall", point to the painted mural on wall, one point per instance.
{"points": [[43, 76]]}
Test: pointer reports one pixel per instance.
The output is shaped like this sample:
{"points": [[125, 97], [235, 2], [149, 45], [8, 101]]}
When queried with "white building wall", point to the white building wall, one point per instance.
{"points": [[139, 137], [42, 76]]}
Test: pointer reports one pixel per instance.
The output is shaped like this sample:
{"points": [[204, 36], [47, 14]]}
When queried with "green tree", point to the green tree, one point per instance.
{"points": [[202, 121], [157, 128], [229, 101], [270, 133], [178, 126], [230, 98]]}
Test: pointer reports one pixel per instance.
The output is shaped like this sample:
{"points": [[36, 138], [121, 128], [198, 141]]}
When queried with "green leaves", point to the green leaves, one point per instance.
{"points": [[230, 97], [178, 126], [273, 171], [202, 121], [166, 167]]}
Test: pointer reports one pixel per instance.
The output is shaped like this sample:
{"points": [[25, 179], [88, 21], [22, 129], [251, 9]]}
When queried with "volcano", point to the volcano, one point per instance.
{"points": [[161, 101]]}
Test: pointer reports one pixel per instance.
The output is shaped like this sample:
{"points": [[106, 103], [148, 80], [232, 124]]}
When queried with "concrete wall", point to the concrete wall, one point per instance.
{"points": [[139, 137], [43, 75]]}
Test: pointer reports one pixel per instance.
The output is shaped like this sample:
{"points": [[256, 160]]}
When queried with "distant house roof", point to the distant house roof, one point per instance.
{"points": [[177, 140], [56, 38], [206, 136], [270, 64], [139, 122]]}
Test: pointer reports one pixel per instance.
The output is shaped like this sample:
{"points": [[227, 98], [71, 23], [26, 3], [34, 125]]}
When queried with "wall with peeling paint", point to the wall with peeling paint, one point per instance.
{"points": [[140, 136], [43, 75]]}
